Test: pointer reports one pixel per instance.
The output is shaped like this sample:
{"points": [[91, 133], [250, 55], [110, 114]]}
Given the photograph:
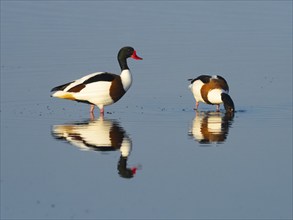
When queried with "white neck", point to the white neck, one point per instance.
{"points": [[126, 79]]}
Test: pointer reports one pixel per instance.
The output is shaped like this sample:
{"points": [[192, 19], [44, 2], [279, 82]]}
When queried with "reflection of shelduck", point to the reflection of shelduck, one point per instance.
{"points": [[211, 90], [210, 127], [99, 135], [101, 88]]}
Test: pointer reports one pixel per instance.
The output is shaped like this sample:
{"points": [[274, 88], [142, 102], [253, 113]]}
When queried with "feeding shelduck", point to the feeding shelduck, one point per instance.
{"points": [[211, 90], [100, 88]]}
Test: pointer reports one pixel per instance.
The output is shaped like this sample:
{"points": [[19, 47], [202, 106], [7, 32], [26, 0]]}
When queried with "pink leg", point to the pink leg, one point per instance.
{"points": [[92, 116], [92, 108], [196, 105], [218, 107], [102, 111]]}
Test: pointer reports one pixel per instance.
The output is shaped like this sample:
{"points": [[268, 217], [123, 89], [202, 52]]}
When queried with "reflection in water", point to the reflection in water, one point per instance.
{"points": [[210, 127], [99, 135]]}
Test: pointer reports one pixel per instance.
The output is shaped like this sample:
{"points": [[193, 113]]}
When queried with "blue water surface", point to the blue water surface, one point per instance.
{"points": [[152, 156]]}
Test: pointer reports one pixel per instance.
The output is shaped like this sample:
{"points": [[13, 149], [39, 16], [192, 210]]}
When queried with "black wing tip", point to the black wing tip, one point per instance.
{"points": [[61, 87], [54, 89]]}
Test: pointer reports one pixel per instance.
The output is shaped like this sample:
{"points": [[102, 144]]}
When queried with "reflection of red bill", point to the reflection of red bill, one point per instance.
{"points": [[135, 168]]}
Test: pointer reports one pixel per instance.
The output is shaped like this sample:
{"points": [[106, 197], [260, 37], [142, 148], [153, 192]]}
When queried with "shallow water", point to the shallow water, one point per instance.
{"points": [[152, 155]]}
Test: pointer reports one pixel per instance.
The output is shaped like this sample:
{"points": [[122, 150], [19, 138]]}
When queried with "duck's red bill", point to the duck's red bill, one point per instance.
{"points": [[134, 56]]}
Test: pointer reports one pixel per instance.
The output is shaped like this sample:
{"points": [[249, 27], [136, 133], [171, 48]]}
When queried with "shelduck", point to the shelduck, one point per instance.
{"points": [[210, 127], [99, 135], [213, 90], [100, 88]]}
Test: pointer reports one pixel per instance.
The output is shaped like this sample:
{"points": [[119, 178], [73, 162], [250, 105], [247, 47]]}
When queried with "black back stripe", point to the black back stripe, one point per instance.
{"points": [[203, 78], [77, 88], [225, 82], [109, 77]]}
